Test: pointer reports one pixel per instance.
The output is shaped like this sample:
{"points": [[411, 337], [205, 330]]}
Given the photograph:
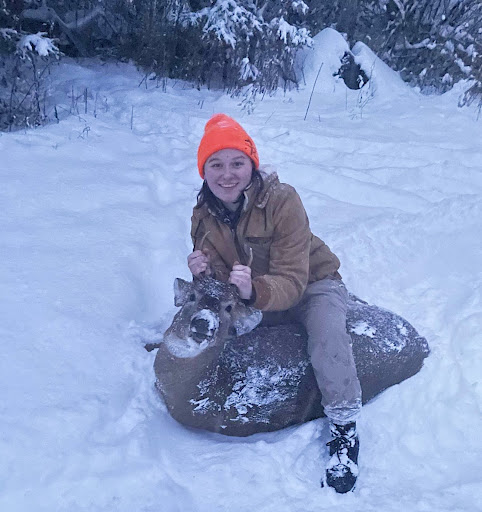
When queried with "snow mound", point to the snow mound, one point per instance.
{"points": [[322, 62], [383, 80], [324, 57]]}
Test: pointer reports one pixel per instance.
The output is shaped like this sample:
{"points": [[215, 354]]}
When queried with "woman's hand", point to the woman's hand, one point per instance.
{"points": [[241, 277], [198, 262]]}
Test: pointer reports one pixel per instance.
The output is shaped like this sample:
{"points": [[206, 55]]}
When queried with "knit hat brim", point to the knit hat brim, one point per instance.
{"points": [[223, 132]]}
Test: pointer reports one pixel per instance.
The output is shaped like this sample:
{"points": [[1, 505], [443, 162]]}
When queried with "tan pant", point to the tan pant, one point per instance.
{"points": [[322, 311]]}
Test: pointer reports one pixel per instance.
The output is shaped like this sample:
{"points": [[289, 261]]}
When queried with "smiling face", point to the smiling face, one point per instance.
{"points": [[227, 173]]}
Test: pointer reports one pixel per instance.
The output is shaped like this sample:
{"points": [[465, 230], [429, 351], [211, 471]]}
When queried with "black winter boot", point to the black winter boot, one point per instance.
{"points": [[342, 469]]}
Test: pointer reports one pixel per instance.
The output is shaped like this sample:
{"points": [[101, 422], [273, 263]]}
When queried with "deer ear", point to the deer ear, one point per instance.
{"points": [[182, 290], [247, 320]]}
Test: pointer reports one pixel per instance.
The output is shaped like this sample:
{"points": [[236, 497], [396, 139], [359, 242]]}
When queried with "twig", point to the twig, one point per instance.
{"points": [[72, 106], [144, 79], [312, 91], [30, 89], [271, 115], [280, 134]]}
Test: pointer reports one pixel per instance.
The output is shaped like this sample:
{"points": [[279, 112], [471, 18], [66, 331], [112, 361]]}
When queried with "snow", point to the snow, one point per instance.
{"points": [[95, 225], [185, 348], [362, 328], [328, 49]]}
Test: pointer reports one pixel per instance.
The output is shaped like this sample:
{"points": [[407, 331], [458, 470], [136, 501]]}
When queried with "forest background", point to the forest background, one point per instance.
{"points": [[245, 47]]}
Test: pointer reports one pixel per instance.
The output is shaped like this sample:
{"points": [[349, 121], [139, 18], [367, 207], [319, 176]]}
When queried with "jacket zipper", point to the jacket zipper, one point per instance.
{"points": [[237, 246], [243, 258]]}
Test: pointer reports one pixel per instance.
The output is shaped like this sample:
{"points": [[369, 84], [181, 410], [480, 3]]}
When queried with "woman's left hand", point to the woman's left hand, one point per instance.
{"points": [[241, 277]]}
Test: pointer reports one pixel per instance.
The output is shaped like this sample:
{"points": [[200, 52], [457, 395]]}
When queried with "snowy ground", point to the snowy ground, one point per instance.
{"points": [[94, 218]]}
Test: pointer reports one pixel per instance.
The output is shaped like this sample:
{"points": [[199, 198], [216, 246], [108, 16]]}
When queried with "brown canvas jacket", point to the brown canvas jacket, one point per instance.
{"points": [[286, 255]]}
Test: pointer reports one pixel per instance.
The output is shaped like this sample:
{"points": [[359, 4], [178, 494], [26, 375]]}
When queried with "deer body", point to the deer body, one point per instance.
{"points": [[216, 371]]}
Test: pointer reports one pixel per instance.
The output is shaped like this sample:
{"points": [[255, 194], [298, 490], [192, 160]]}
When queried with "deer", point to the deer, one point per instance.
{"points": [[223, 368]]}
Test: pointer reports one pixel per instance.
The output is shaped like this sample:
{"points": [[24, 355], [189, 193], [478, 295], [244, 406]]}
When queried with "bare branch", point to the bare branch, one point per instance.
{"points": [[78, 24]]}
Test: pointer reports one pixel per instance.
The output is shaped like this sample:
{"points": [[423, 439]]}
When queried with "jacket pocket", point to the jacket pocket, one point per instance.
{"points": [[260, 247], [259, 241]]}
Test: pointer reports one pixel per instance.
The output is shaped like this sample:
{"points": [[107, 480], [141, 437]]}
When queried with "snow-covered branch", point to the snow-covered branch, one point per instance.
{"points": [[291, 34], [8, 33], [400, 7], [426, 43], [227, 21], [299, 6], [38, 43]]}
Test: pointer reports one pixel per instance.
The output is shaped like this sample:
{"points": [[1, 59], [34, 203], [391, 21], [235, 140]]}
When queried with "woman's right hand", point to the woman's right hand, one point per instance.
{"points": [[198, 262]]}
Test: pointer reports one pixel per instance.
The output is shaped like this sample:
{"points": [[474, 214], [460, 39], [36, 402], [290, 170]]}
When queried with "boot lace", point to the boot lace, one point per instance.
{"points": [[341, 443]]}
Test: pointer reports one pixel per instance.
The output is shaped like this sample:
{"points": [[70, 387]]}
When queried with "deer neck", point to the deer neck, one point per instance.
{"points": [[178, 377]]}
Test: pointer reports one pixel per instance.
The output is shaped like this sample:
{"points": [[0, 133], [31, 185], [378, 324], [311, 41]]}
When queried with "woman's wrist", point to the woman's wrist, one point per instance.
{"points": [[252, 299]]}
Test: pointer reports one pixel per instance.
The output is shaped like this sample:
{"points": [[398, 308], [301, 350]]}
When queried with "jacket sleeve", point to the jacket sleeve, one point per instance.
{"points": [[198, 230], [287, 278]]}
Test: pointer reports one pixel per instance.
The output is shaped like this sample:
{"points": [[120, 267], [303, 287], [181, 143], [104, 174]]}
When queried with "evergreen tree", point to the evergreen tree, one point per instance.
{"points": [[24, 57], [223, 43]]}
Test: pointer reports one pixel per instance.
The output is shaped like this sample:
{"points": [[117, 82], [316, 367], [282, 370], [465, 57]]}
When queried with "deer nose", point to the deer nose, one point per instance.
{"points": [[200, 325], [203, 325]]}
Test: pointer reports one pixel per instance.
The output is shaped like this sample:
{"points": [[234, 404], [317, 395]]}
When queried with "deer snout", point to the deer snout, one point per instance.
{"points": [[204, 325]]}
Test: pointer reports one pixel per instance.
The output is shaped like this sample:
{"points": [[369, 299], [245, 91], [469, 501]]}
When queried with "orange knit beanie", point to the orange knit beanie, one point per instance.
{"points": [[223, 132]]}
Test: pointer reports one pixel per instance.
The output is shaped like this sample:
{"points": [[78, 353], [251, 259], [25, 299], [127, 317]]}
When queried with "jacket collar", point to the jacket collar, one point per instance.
{"points": [[271, 181]]}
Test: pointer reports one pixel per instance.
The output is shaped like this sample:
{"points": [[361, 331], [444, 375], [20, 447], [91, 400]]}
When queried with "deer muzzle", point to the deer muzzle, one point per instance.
{"points": [[204, 325]]}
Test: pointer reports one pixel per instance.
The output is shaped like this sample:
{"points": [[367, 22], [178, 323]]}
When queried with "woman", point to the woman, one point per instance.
{"points": [[255, 234]]}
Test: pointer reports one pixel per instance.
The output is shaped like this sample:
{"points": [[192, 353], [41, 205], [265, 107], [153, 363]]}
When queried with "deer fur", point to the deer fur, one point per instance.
{"points": [[218, 369]]}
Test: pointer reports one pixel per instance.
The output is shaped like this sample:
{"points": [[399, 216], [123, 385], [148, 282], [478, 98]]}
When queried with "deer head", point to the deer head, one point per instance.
{"points": [[211, 313]]}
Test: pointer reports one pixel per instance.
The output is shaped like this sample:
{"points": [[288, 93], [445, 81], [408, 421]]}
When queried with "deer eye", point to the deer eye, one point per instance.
{"points": [[228, 308], [192, 297]]}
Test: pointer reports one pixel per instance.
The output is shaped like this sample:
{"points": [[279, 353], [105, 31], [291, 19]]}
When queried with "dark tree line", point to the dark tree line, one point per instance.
{"points": [[232, 43]]}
